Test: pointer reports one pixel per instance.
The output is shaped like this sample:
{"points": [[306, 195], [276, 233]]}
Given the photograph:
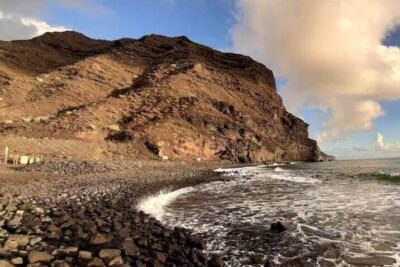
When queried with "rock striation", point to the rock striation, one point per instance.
{"points": [[151, 97]]}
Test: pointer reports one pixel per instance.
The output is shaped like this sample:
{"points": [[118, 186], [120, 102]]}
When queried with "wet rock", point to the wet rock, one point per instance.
{"points": [[289, 226], [317, 232], [39, 256], [216, 261], [370, 261], [325, 263], [386, 246], [277, 227], [196, 242]]}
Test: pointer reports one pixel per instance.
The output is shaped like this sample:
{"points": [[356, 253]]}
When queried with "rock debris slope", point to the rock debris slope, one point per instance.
{"points": [[152, 97]]}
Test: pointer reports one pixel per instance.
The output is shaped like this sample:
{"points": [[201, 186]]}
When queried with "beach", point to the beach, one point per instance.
{"points": [[83, 213]]}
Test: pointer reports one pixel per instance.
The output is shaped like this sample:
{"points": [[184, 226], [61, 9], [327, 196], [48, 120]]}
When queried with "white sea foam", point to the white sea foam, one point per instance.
{"points": [[277, 169], [240, 171], [155, 205], [260, 172], [316, 208], [294, 179]]}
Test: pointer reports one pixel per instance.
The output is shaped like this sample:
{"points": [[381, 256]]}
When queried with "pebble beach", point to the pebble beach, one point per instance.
{"points": [[82, 213]]}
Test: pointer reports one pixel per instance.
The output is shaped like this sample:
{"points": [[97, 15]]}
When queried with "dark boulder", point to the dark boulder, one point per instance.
{"points": [[277, 227]]}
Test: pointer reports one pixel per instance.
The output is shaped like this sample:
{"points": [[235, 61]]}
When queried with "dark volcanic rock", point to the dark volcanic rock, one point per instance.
{"points": [[277, 227], [101, 230]]}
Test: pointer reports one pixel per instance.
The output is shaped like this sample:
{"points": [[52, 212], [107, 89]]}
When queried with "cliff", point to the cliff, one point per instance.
{"points": [[66, 95]]}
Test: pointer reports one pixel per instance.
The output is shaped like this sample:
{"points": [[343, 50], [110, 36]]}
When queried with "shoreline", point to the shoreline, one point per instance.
{"points": [[81, 214]]}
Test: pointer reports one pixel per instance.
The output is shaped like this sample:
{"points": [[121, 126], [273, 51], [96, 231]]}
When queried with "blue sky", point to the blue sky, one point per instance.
{"points": [[213, 22], [204, 21]]}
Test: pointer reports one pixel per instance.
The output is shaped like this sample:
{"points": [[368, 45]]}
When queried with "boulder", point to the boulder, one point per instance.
{"points": [[61, 263], [4, 263], [39, 256], [17, 261], [216, 261], [85, 255], [277, 227], [108, 254], [21, 240], [100, 239], [96, 262], [130, 248], [116, 261]]}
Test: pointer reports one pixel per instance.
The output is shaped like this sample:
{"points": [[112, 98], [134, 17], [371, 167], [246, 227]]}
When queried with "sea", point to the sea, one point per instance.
{"points": [[335, 213]]}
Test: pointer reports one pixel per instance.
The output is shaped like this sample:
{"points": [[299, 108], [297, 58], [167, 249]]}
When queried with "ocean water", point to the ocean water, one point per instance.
{"points": [[336, 214]]}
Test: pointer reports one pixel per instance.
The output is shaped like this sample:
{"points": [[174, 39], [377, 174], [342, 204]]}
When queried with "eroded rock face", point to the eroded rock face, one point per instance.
{"points": [[152, 97]]}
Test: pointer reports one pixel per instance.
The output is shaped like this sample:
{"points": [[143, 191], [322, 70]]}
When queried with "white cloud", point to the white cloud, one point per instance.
{"points": [[330, 52], [24, 28], [22, 19], [16, 23], [41, 26], [377, 148], [381, 144]]}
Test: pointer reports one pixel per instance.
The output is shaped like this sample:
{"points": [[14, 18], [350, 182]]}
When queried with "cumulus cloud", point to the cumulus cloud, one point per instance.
{"points": [[381, 144], [17, 20], [377, 148], [330, 52], [24, 28], [22, 19]]}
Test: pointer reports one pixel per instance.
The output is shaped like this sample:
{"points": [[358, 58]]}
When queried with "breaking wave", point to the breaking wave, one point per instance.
{"points": [[155, 205], [331, 220]]}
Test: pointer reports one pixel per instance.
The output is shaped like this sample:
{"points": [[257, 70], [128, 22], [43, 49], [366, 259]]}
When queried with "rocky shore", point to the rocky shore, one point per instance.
{"points": [[83, 214]]}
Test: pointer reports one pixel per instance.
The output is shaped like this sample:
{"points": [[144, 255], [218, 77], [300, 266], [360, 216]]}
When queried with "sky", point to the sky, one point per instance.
{"points": [[337, 63]]}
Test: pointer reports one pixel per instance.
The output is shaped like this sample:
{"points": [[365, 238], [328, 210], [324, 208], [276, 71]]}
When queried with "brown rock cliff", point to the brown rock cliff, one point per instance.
{"points": [[64, 94]]}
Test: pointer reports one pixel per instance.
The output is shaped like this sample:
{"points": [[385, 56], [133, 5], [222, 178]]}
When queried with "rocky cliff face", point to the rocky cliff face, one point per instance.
{"points": [[66, 94]]}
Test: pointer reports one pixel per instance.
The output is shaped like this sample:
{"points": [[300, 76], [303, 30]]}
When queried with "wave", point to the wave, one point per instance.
{"points": [[155, 204], [260, 172]]}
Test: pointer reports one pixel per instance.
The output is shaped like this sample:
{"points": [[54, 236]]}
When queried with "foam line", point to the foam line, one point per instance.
{"points": [[155, 205]]}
